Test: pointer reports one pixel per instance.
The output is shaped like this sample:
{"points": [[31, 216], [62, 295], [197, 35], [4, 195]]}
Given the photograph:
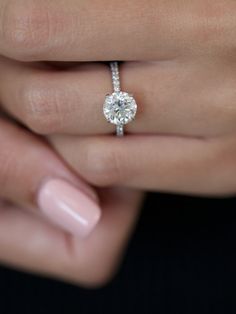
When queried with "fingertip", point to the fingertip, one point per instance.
{"points": [[68, 207]]}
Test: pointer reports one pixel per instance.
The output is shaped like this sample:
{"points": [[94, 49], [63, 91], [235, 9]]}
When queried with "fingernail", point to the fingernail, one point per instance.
{"points": [[68, 207]]}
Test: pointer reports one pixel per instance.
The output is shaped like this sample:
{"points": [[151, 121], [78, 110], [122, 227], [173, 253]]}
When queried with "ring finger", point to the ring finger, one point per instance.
{"points": [[173, 98]]}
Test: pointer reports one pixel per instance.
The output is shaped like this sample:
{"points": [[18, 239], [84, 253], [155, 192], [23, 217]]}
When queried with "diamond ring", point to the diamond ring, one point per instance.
{"points": [[119, 107]]}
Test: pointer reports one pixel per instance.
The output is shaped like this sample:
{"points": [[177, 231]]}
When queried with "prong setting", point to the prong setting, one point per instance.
{"points": [[120, 108]]}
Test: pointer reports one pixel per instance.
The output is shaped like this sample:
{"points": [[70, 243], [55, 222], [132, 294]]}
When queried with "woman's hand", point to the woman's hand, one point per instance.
{"points": [[184, 86], [32, 244], [182, 140], [38, 188]]}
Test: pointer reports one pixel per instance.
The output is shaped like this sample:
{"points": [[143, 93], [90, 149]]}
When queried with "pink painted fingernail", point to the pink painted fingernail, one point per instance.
{"points": [[68, 207]]}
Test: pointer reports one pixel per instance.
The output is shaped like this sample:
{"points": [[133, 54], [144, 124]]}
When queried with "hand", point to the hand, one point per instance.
{"points": [[183, 139], [32, 244], [186, 117], [30, 171], [38, 188], [27, 238]]}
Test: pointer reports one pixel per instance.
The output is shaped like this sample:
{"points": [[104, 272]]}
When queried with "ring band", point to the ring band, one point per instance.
{"points": [[119, 107]]}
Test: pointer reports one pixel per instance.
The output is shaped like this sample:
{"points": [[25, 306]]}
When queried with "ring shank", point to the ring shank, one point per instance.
{"points": [[115, 76], [116, 86], [120, 130]]}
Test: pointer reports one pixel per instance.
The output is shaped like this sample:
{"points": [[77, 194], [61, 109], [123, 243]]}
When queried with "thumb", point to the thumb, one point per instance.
{"points": [[33, 176]]}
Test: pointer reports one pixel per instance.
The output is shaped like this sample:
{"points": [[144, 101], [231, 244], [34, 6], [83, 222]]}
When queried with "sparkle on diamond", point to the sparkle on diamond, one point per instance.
{"points": [[120, 108]]}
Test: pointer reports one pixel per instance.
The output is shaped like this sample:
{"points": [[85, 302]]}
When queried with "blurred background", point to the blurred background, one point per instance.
{"points": [[181, 259]]}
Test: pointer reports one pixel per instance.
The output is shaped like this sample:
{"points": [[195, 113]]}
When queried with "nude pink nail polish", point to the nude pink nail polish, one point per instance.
{"points": [[68, 207]]}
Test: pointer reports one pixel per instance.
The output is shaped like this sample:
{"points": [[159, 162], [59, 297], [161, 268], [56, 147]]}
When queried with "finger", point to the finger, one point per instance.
{"points": [[159, 163], [33, 176], [29, 243], [115, 30], [183, 98]]}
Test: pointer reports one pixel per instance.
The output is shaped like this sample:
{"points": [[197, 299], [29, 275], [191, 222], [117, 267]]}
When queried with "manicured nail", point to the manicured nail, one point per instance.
{"points": [[68, 207]]}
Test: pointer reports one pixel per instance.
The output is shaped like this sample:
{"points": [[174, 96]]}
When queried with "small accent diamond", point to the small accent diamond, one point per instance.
{"points": [[120, 108]]}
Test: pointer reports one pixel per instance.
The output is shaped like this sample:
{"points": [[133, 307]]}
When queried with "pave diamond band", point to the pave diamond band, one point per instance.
{"points": [[115, 76], [119, 107]]}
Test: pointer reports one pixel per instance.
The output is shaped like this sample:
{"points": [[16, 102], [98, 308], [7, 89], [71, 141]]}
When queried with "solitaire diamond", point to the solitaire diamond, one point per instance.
{"points": [[120, 108]]}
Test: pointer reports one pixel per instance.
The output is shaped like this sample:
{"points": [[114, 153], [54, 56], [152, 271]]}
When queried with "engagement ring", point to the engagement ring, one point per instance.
{"points": [[119, 107]]}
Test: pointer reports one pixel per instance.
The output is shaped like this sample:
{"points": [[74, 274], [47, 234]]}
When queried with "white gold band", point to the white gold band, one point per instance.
{"points": [[115, 76], [119, 107], [120, 130]]}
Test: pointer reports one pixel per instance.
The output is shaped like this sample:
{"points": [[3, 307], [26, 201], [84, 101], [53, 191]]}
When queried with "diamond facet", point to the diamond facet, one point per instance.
{"points": [[120, 108]]}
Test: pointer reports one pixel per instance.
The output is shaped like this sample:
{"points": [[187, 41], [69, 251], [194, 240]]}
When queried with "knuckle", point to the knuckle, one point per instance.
{"points": [[41, 108], [26, 28], [104, 166]]}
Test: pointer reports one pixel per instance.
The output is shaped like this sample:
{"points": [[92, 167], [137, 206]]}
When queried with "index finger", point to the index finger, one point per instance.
{"points": [[99, 30]]}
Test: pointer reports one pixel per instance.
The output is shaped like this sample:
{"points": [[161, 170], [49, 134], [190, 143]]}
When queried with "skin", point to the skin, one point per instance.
{"points": [[30, 242], [179, 62]]}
